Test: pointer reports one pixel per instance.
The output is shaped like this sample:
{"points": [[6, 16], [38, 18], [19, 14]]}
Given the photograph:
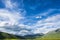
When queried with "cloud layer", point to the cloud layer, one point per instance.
{"points": [[12, 21], [48, 24]]}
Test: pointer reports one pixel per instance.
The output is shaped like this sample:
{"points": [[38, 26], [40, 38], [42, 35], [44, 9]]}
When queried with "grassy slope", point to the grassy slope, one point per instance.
{"points": [[50, 36]]}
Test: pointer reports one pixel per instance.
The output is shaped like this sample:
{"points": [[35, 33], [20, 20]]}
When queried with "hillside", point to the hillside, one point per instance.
{"points": [[53, 35], [7, 36]]}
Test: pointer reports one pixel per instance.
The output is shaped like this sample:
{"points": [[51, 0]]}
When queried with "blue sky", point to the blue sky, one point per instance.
{"points": [[26, 17]]}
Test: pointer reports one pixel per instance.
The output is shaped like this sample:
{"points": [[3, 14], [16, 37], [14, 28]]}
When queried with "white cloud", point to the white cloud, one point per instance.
{"points": [[38, 16], [45, 13], [10, 5], [7, 31], [2, 24], [9, 17], [48, 24], [42, 26], [24, 26], [23, 32]]}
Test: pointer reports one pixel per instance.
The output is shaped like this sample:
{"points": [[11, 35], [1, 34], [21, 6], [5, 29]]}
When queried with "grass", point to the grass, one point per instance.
{"points": [[50, 36]]}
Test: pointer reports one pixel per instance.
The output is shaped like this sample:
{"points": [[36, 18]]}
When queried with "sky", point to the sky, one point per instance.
{"points": [[28, 17]]}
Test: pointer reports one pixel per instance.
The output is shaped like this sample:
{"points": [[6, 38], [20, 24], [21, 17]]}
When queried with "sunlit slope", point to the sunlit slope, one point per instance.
{"points": [[53, 35]]}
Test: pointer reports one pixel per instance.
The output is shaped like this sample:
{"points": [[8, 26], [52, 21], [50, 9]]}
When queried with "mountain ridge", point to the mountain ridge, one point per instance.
{"points": [[52, 35]]}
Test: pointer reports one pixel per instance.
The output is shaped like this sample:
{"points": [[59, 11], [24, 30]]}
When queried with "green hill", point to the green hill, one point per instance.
{"points": [[53, 35]]}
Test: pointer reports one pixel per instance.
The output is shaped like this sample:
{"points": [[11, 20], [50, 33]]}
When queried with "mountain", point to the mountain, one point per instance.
{"points": [[33, 36], [7, 36], [53, 35]]}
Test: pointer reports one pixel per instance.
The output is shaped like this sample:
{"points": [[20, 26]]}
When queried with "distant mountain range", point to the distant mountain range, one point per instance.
{"points": [[11, 36], [53, 35]]}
